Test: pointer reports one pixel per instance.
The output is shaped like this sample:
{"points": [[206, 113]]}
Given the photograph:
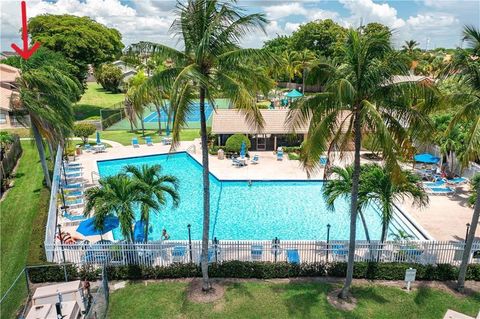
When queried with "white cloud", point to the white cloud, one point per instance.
{"points": [[290, 27], [430, 21], [368, 11], [284, 10]]}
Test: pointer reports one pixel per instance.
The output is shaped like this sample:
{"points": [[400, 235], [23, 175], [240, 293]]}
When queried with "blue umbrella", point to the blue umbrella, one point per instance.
{"points": [[243, 150], [98, 138], [426, 158], [294, 94], [139, 231], [87, 227]]}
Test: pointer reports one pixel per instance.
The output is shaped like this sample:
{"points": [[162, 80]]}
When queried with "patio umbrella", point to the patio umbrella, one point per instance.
{"points": [[98, 138], [293, 94], [87, 227], [243, 149], [139, 231], [426, 158]]}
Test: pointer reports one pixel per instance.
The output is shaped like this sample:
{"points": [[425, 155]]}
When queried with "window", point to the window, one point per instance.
{"points": [[3, 118]]}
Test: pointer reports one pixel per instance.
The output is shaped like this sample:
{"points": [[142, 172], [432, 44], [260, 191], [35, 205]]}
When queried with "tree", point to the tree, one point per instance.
{"points": [[471, 36], [305, 60], [379, 186], [468, 68], [109, 76], [410, 46], [84, 130], [360, 97], [374, 28], [81, 40], [47, 95], [117, 195], [212, 63], [341, 187], [278, 45], [155, 185], [321, 37]]}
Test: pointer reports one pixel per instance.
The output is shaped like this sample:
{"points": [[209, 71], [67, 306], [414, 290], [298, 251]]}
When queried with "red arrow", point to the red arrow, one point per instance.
{"points": [[26, 53]]}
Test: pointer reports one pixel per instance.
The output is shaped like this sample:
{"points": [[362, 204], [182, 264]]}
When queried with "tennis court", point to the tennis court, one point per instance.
{"points": [[194, 116]]}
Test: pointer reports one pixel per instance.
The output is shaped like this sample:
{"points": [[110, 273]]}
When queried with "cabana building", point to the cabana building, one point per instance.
{"points": [[275, 131]]}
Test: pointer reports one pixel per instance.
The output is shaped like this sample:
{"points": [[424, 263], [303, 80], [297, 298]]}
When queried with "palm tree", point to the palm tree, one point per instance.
{"points": [[305, 60], [155, 185], [47, 95], [361, 96], [410, 46], [291, 64], [117, 195], [468, 68], [380, 188], [212, 63], [341, 187]]}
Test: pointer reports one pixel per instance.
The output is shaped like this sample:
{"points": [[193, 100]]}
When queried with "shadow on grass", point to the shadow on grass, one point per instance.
{"points": [[302, 298], [85, 111], [368, 294]]}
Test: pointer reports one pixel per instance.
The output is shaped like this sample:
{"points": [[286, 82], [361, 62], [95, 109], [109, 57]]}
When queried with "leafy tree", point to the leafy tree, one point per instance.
{"points": [[234, 142], [155, 185], [410, 46], [118, 195], [360, 97], [109, 76], [373, 28], [81, 40], [467, 68], [278, 45], [212, 63], [290, 64], [305, 60], [321, 37], [475, 184], [84, 130]]}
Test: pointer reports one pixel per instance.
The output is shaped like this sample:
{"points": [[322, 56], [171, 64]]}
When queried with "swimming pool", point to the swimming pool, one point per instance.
{"points": [[193, 116], [266, 209]]}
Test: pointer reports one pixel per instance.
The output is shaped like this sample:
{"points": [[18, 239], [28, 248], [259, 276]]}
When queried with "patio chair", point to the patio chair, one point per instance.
{"points": [[75, 202], [167, 141], [178, 253], [149, 141], [256, 252], [135, 142], [339, 251], [236, 162], [279, 154], [255, 159], [293, 257], [87, 148]]}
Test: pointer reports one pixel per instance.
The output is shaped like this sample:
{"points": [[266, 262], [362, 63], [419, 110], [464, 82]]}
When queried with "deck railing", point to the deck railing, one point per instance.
{"points": [[163, 253]]}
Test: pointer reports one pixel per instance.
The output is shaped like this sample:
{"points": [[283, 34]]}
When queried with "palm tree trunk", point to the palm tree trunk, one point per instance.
{"points": [[364, 222], [50, 150], [143, 125], [206, 194], [41, 154], [303, 82], [353, 206], [159, 120], [147, 220], [468, 245]]}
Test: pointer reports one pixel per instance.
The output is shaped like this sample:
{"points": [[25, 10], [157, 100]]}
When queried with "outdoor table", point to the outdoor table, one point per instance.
{"points": [[98, 148]]}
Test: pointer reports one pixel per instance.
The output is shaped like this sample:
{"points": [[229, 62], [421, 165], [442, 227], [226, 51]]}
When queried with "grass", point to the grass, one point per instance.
{"points": [[278, 300], [23, 211], [93, 100], [21, 132], [125, 137]]}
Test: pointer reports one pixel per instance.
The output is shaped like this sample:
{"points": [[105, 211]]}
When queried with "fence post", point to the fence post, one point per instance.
{"points": [[190, 241], [26, 278]]}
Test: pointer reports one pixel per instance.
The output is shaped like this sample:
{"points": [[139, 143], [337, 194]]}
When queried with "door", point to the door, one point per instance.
{"points": [[261, 142]]}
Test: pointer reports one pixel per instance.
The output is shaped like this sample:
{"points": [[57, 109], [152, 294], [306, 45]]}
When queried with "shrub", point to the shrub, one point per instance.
{"points": [[260, 270], [84, 130], [293, 156], [109, 77], [213, 150], [234, 143]]}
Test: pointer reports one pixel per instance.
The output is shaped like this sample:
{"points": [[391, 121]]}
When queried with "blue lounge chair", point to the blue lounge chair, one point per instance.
{"points": [[256, 252], [323, 161], [255, 159], [87, 148], [135, 142], [149, 141], [339, 251], [293, 257], [279, 154], [72, 165], [178, 253], [75, 202]]}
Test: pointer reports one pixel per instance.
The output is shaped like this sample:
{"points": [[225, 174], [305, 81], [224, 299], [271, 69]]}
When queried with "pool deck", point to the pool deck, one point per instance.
{"points": [[444, 219]]}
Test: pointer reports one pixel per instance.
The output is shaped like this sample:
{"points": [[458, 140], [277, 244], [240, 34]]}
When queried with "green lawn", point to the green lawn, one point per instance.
{"points": [[125, 137], [274, 300], [94, 99], [23, 211]]}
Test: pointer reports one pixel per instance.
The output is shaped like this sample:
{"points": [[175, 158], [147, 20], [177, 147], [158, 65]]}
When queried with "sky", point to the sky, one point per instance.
{"points": [[432, 23]]}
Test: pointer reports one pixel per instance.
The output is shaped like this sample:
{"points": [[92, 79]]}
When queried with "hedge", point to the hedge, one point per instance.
{"points": [[260, 270]]}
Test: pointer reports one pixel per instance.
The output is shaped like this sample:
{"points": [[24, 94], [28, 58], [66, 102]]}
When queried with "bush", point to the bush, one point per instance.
{"points": [[84, 130], [234, 143], [260, 270], [109, 76], [213, 150], [293, 156]]}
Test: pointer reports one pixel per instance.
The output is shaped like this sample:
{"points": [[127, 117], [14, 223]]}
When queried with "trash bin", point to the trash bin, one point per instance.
{"points": [[78, 150], [221, 154]]}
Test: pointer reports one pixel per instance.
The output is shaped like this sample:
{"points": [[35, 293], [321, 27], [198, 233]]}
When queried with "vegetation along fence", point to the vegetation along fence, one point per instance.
{"points": [[164, 253], [10, 160], [112, 115]]}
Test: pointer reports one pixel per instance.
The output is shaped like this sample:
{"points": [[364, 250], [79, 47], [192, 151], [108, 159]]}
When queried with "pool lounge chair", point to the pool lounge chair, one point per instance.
{"points": [[167, 141], [440, 191], [87, 147], [135, 142], [255, 159], [70, 186], [256, 252], [149, 141], [75, 202], [178, 253], [279, 154], [456, 181], [293, 257], [339, 251], [236, 162], [323, 161]]}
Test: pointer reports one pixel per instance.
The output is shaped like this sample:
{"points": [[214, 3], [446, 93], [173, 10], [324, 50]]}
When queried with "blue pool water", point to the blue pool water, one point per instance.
{"points": [[264, 210], [194, 116]]}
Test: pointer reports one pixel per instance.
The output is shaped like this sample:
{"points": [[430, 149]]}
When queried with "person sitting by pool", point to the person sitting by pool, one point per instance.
{"points": [[165, 235]]}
